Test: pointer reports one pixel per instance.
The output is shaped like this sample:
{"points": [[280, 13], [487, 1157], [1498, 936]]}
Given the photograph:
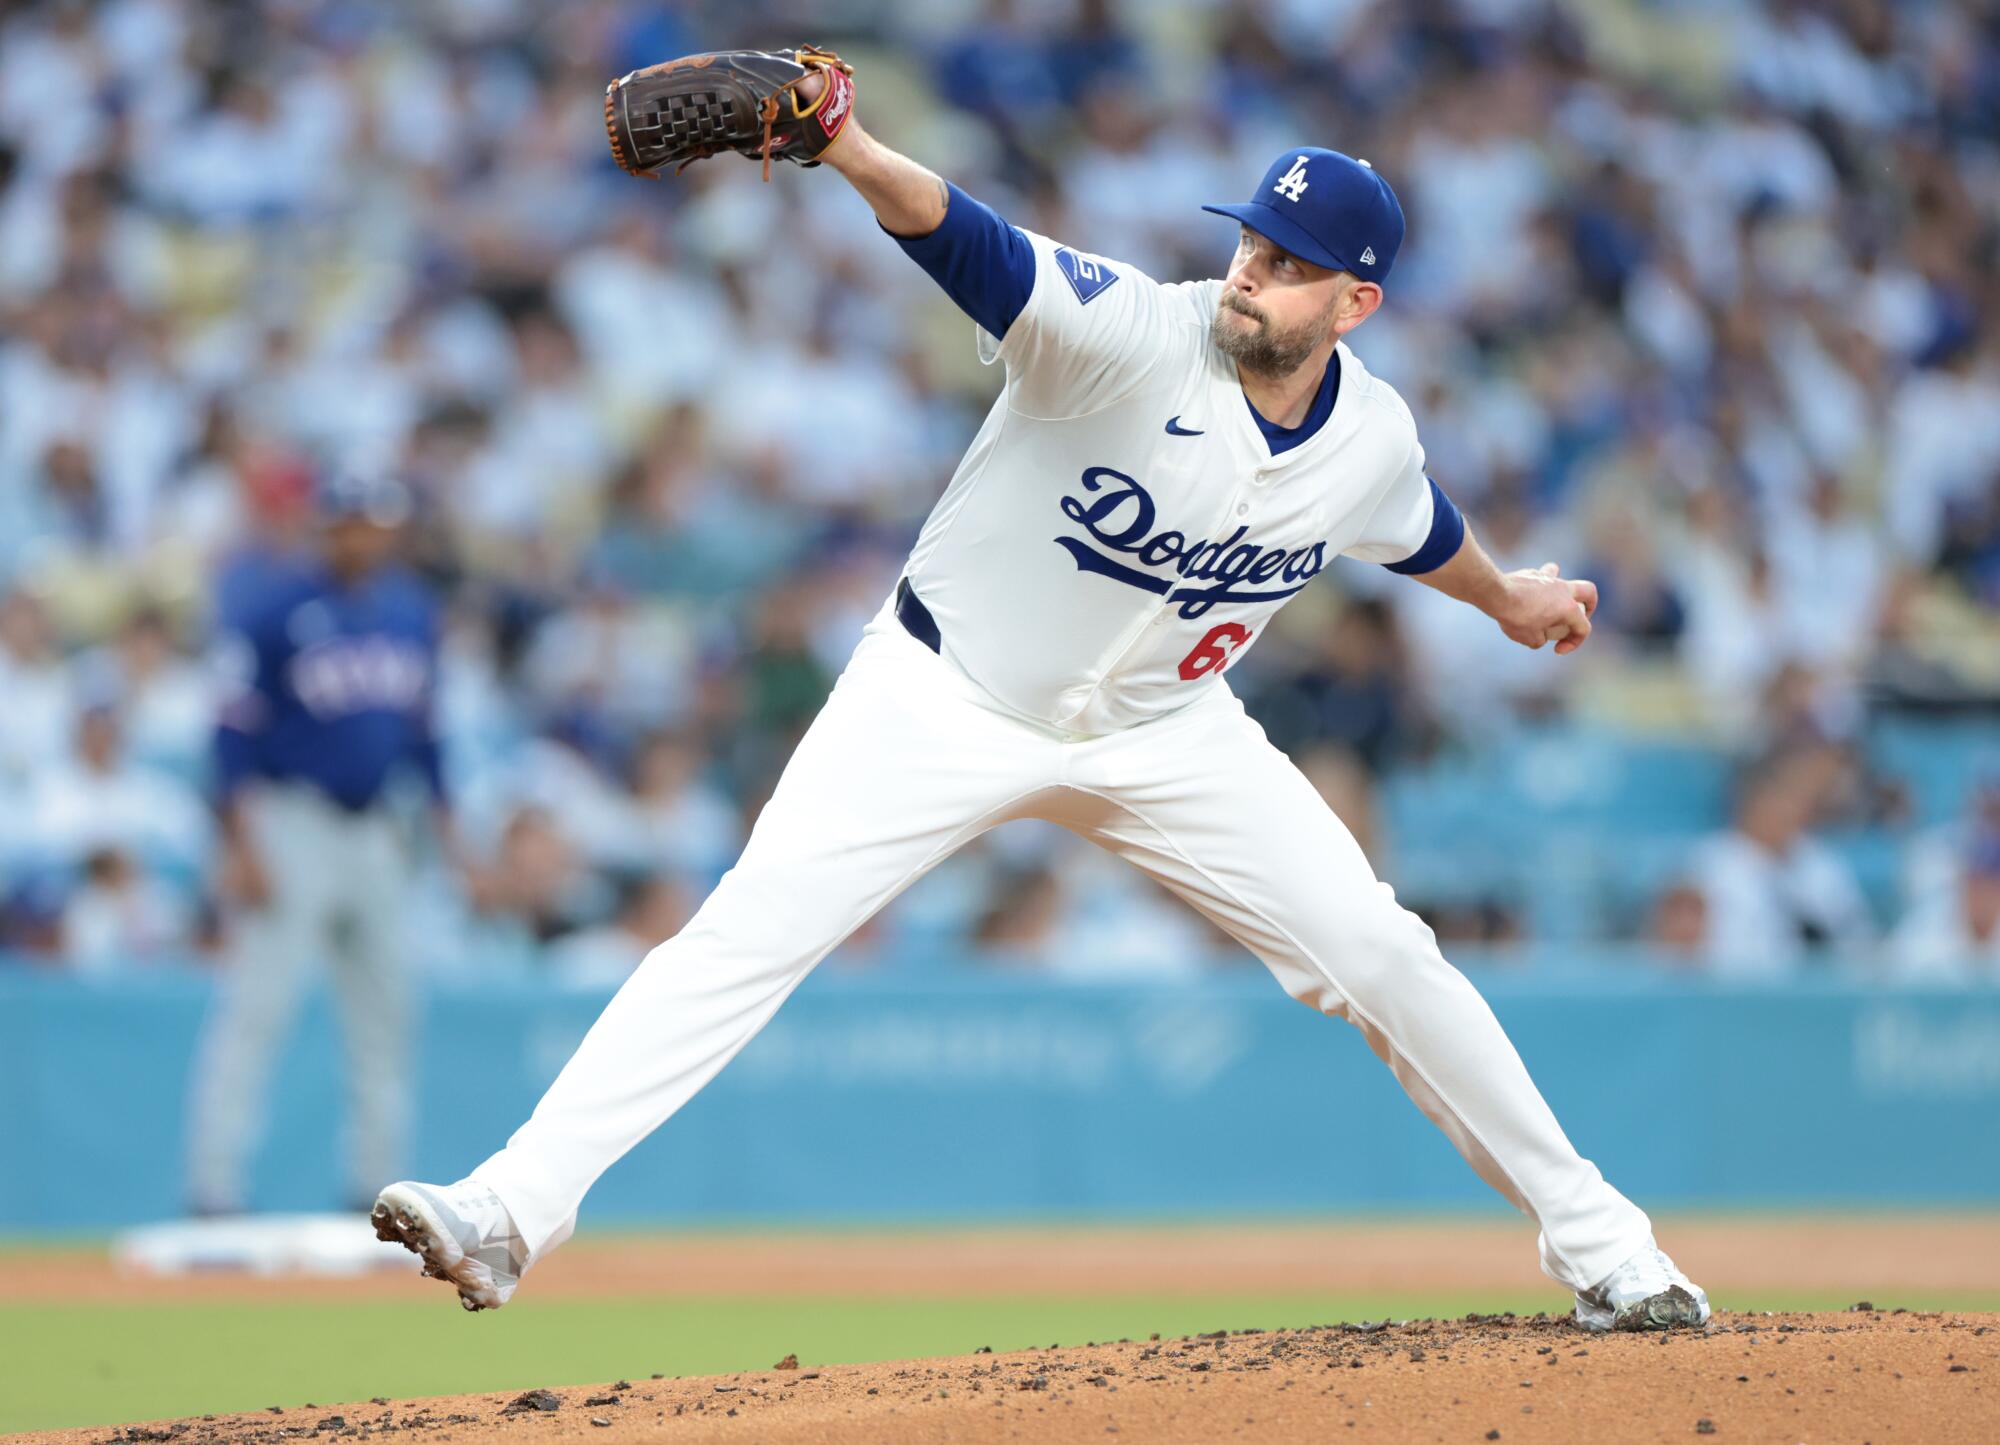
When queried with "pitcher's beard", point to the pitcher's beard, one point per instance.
{"points": [[1267, 351]]}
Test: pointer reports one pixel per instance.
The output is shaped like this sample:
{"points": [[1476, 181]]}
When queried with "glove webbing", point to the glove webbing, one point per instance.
{"points": [[701, 119]]}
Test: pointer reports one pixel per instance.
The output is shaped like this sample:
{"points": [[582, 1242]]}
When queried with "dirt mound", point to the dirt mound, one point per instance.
{"points": [[1863, 1375]]}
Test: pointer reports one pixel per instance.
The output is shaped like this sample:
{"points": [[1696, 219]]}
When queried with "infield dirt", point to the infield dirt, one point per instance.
{"points": [[1863, 1375], [1741, 1260]]}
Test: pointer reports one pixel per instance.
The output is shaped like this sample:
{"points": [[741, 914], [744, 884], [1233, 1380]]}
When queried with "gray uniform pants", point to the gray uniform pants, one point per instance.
{"points": [[337, 882]]}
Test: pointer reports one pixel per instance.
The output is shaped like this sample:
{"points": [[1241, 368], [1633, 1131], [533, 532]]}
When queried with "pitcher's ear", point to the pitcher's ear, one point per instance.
{"points": [[1358, 301]]}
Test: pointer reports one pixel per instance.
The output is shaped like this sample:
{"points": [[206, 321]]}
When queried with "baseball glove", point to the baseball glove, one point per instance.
{"points": [[745, 101]]}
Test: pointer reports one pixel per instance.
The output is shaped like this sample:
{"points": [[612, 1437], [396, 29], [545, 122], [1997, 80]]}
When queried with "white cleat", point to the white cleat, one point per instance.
{"points": [[464, 1234], [1646, 1292]]}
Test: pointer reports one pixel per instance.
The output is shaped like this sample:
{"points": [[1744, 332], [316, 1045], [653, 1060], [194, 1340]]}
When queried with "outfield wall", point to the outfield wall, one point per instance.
{"points": [[978, 1096]]}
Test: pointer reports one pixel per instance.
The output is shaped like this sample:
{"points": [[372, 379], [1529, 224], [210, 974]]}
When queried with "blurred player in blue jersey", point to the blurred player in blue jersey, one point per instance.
{"points": [[329, 660]]}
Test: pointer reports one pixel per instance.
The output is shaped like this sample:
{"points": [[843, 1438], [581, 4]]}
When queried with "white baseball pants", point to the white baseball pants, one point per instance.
{"points": [[908, 761]]}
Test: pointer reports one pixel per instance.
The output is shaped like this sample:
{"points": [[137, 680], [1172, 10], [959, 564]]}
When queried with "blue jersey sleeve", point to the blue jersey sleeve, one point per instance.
{"points": [[983, 264], [245, 674], [1447, 535]]}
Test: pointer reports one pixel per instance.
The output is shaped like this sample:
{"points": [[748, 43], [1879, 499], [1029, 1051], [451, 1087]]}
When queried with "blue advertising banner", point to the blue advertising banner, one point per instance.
{"points": [[982, 1097]]}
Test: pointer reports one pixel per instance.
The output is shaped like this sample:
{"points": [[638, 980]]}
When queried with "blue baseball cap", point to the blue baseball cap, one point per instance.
{"points": [[1331, 209]]}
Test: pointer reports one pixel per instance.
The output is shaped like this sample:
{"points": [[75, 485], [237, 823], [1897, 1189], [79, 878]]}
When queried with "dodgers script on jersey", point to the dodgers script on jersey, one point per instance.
{"points": [[1119, 531]]}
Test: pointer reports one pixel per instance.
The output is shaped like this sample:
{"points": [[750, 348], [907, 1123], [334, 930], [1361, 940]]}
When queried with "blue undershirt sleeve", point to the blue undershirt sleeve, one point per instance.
{"points": [[1447, 536], [983, 264]]}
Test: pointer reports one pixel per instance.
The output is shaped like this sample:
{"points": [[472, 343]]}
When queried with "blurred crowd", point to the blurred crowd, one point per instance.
{"points": [[1701, 298]]}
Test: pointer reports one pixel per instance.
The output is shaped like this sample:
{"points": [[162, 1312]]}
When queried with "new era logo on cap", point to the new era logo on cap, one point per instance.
{"points": [[1368, 255]]}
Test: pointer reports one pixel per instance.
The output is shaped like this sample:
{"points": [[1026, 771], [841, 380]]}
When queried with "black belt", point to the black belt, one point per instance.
{"points": [[916, 618]]}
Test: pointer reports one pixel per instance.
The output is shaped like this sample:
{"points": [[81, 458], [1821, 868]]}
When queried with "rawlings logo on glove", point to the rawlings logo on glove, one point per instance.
{"points": [[745, 101]]}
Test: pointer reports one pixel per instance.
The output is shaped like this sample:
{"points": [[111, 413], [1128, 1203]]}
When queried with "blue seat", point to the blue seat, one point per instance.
{"points": [[1940, 760], [1578, 829]]}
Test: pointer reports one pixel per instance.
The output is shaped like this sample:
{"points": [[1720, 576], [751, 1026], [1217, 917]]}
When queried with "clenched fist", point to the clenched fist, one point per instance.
{"points": [[1543, 606]]}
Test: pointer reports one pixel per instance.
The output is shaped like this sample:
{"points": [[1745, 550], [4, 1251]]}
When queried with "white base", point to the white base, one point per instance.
{"points": [[260, 1244]]}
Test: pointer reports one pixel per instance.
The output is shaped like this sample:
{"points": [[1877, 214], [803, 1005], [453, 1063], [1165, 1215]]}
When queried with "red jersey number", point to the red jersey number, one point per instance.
{"points": [[1214, 652]]}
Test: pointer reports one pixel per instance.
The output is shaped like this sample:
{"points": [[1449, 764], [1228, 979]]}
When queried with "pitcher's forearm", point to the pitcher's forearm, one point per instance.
{"points": [[1532, 606], [1471, 577], [907, 199]]}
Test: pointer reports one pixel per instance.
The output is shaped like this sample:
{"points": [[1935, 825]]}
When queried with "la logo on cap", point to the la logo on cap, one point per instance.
{"points": [[1292, 184]]}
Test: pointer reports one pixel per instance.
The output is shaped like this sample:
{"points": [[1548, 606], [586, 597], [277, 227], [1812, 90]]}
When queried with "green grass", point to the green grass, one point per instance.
{"points": [[96, 1364]]}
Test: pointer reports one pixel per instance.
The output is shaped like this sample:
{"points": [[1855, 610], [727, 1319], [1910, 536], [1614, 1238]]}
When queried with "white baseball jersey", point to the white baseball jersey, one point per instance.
{"points": [[1119, 531]]}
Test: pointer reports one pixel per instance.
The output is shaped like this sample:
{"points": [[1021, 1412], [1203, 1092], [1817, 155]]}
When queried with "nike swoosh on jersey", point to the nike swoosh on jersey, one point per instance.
{"points": [[1175, 429]]}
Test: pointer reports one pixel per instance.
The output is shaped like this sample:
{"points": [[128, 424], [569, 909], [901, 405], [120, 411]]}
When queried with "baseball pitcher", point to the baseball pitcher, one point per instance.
{"points": [[1167, 464]]}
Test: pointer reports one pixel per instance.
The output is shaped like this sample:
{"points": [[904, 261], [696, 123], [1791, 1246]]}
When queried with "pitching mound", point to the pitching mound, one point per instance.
{"points": [[1862, 1375]]}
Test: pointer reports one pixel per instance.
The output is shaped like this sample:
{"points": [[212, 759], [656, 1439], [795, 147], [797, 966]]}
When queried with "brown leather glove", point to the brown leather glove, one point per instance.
{"points": [[745, 101]]}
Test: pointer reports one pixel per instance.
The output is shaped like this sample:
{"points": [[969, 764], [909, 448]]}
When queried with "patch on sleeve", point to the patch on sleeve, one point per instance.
{"points": [[1086, 276]]}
